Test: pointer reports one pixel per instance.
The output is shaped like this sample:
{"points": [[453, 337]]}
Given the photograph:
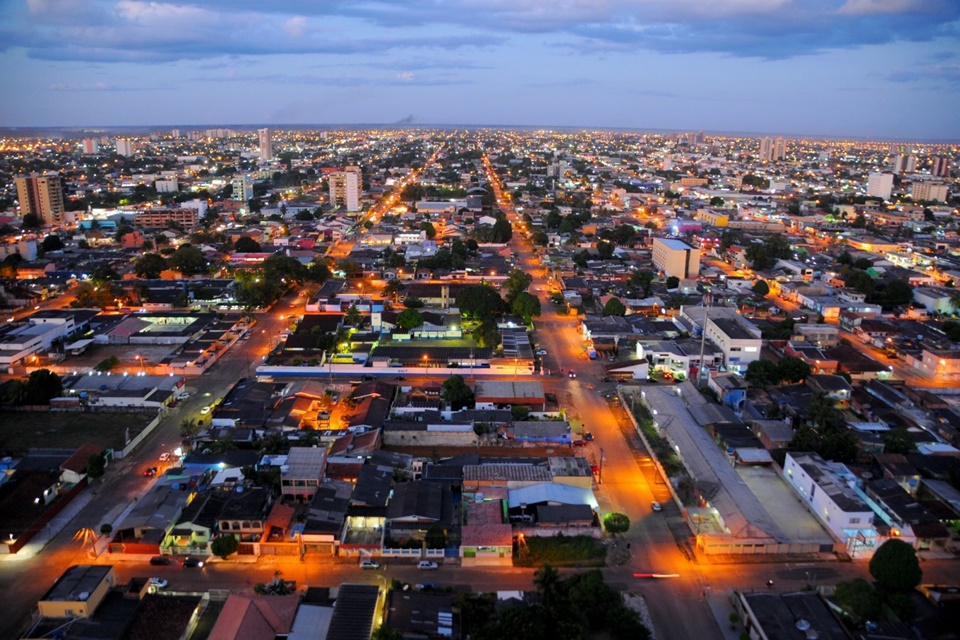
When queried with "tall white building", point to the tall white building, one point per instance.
{"points": [[772, 149], [41, 195], [345, 188], [929, 191], [266, 144], [242, 188], [125, 147], [880, 185], [91, 146]]}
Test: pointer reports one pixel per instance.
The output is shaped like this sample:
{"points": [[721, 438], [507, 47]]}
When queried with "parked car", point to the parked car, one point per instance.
{"points": [[588, 436], [368, 377], [205, 411], [152, 471], [159, 561], [190, 563], [579, 443], [426, 565], [158, 583], [656, 507], [370, 565], [164, 456]]}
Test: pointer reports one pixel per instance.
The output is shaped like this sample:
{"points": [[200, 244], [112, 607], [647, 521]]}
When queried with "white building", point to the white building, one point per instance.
{"points": [[242, 188], [880, 185], [676, 258], [929, 191], [738, 339], [38, 335], [170, 185], [125, 147], [345, 188], [829, 492]]}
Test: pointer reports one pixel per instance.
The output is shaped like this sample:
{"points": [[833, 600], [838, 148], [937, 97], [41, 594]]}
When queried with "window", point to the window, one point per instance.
{"points": [[854, 520]]}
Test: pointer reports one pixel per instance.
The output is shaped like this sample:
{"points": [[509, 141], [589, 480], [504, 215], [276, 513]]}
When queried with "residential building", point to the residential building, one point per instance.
{"points": [[125, 147], [265, 144], [940, 166], [302, 473], [880, 185], [345, 188], [242, 188], [936, 191], [789, 616], [676, 258], [78, 592], [41, 195], [91, 146], [738, 338]]}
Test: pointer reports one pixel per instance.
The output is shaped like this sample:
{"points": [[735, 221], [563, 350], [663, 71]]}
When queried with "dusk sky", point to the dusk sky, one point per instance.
{"points": [[877, 68]]}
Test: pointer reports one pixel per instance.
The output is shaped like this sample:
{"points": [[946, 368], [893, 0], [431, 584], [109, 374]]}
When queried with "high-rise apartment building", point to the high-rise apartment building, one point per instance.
{"points": [[880, 185], [929, 191], [771, 149], [345, 188], [41, 195], [940, 166], [91, 146], [242, 188], [266, 144], [125, 147]]}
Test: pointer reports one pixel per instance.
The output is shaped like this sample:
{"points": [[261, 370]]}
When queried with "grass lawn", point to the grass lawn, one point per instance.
{"points": [[560, 551], [20, 431]]}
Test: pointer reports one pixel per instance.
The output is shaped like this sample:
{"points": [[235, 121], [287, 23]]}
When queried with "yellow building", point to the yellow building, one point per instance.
{"points": [[78, 592]]}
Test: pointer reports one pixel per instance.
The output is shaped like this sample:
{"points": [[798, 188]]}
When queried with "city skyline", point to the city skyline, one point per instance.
{"points": [[881, 69]]}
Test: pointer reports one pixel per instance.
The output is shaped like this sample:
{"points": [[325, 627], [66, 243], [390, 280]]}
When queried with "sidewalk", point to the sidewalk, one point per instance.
{"points": [[52, 528], [719, 603]]}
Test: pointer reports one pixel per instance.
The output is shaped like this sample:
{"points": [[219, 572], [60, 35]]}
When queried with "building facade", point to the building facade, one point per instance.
{"points": [[265, 143], [345, 187], [676, 258], [41, 195]]}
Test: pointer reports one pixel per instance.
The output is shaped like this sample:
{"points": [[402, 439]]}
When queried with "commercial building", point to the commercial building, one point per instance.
{"points": [[41, 195], [676, 258], [265, 144], [242, 188], [345, 187], [161, 218], [880, 185], [78, 592]]}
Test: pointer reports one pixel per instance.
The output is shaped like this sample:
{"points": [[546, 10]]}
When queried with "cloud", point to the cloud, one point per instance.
{"points": [[138, 30], [98, 86]]}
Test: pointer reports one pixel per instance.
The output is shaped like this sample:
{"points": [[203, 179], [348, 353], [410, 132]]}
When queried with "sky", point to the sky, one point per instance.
{"points": [[882, 69]]}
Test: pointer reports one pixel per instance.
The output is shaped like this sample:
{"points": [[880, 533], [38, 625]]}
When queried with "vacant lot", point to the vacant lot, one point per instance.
{"points": [[20, 431]]}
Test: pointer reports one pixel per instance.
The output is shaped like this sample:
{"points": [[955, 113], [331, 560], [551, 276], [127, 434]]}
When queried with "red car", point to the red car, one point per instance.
{"points": [[579, 443]]}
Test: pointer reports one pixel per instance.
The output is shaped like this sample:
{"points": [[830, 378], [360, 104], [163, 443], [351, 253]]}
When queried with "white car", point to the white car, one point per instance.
{"points": [[204, 411], [158, 583], [541, 352], [164, 456], [656, 506], [426, 565]]}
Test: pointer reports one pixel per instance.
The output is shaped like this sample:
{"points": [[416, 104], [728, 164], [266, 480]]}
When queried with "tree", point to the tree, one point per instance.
{"points": [[409, 319], [413, 302], [435, 538], [858, 598], [383, 632], [896, 293], [188, 259], [107, 364], [761, 288], [392, 288], [106, 528], [52, 243], [604, 250], [897, 440], [716, 201], [526, 305], [42, 385], [614, 307], [31, 221], [641, 280], [502, 231], [456, 392], [246, 245], [895, 566], [792, 369], [354, 316], [516, 283], [762, 374], [616, 523], [673, 282], [224, 546], [539, 238], [96, 465], [427, 227], [480, 301], [150, 265]]}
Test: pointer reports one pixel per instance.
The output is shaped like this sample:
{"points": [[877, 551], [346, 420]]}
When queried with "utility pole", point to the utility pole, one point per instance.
{"points": [[703, 338]]}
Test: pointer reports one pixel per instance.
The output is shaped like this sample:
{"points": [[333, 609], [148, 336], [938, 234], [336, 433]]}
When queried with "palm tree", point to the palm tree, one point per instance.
{"points": [[546, 579]]}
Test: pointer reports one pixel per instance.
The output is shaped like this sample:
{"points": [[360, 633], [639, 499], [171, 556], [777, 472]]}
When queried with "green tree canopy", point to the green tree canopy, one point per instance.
{"points": [[858, 598], [614, 307], [673, 282], [409, 319], [188, 259], [429, 229], [895, 566], [516, 283], [52, 243], [480, 301], [224, 546], [96, 465], [42, 385], [456, 392], [762, 374], [792, 369], [150, 265], [526, 305], [245, 244], [616, 523], [761, 288]]}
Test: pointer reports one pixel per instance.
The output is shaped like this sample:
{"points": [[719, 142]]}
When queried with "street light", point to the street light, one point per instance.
{"points": [[426, 361]]}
